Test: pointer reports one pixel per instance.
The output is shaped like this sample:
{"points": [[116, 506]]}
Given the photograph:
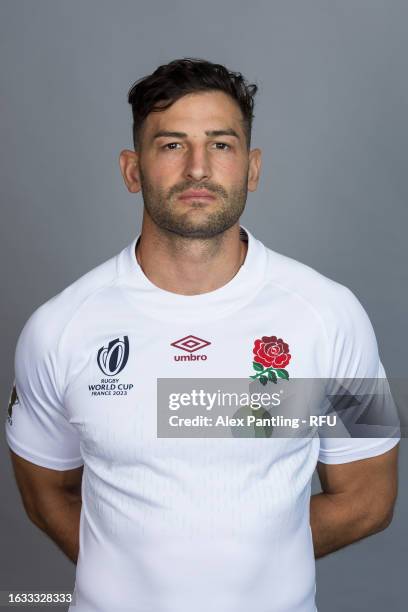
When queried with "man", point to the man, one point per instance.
{"points": [[177, 524]]}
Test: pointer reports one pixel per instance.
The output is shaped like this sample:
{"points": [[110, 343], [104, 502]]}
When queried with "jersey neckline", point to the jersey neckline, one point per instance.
{"points": [[167, 305]]}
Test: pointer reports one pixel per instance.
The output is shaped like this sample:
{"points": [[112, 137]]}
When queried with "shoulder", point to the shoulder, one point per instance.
{"points": [[332, 301], [347, 331], [43, 328]]}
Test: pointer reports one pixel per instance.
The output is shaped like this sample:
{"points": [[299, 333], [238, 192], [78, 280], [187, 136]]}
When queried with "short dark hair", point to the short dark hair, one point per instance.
{"points": [[169, 82]]}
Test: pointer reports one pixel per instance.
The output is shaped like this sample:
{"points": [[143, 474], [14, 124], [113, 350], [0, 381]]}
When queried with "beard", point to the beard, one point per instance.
{"points": [[216, 217]]}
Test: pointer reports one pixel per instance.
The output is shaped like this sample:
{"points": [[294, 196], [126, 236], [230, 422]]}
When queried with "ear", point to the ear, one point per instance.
{"points": [[129, 167], [254, 169]]}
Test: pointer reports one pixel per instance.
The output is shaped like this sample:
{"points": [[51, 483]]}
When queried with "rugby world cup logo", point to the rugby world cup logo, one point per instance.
{"points": [[113, 358]]}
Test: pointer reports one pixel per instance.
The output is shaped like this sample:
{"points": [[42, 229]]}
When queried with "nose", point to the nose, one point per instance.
{"points": [[197, 164]]}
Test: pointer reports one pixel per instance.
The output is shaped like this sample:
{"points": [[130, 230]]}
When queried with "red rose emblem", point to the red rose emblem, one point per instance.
{"points": [[271, 352]]}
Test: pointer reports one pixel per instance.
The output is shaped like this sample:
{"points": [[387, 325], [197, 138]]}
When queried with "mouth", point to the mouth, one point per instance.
{"points": [[197, 195]]}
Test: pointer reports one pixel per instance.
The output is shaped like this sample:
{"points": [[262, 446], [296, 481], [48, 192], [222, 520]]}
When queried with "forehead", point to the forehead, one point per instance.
{"points": [[206, 110]]}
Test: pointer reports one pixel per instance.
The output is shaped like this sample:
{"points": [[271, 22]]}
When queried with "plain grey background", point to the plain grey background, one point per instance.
{"points": [[331, 119]]}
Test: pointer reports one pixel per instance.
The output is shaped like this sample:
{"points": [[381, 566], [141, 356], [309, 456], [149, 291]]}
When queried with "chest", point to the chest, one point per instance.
{"points": [[120, 369]]}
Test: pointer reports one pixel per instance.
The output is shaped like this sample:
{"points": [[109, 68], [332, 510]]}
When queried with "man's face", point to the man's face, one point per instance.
{"points": [[179, 151]]}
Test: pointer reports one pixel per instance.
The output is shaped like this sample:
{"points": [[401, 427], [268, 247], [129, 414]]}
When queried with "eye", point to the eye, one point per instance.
{"points": [[169, 144], [223, 144]]}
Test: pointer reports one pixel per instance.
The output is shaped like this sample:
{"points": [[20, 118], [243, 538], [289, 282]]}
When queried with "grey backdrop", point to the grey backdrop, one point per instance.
{"points": [[331, 121]]}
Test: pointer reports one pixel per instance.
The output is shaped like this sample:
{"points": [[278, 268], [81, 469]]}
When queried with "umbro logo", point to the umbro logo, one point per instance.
{"points": [[190, 344]]}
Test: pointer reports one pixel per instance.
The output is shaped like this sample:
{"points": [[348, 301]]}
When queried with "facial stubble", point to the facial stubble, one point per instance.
{"points": [[216, 217]]}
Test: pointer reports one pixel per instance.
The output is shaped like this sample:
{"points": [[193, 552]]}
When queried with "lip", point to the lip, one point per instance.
{"points": [[197, 194]]}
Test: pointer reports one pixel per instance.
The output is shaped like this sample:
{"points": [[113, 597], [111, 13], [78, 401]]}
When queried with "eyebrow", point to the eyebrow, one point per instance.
{"points": [[213, 133]]}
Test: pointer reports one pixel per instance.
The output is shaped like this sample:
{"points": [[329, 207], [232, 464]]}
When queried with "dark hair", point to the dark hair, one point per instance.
{"points": [[171, 81]]}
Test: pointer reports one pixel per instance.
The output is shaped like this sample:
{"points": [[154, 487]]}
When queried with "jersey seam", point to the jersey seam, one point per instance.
{"points": [[107, 284], [313, 309]]}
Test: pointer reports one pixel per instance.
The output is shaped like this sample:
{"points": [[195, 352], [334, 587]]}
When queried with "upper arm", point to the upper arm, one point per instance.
{"points": [[44, 444], [37, 425], [40, 486], [357, 391], [371, 483]]}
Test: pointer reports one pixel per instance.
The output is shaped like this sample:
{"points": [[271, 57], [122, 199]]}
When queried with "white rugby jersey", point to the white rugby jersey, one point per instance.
{"points": [[186, 524]]}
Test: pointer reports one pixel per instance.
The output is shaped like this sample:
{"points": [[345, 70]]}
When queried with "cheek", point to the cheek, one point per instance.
{"points": [[229, 164], [165, 172], [161, 175], [230, 174]]}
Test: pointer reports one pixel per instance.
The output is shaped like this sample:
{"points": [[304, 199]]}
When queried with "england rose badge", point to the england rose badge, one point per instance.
{"points": [[271, 356]]}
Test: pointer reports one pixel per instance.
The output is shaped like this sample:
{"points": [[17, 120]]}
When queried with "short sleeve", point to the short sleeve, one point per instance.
{"points": [[354, 357], [37, 427]]}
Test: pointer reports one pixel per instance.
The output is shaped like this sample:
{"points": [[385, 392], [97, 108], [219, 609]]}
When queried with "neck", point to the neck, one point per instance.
{"points": [[190, 266]]}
